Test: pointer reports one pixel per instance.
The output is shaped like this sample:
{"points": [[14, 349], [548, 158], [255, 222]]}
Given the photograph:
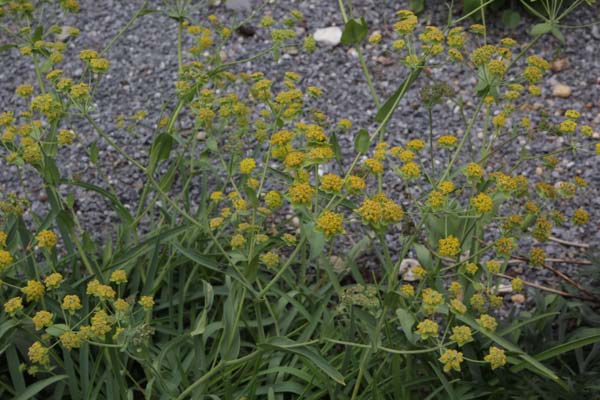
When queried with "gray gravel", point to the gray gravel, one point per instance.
{"points": [[144, 65]]}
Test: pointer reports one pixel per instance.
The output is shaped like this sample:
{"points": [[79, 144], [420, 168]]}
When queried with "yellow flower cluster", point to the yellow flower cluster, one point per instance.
{"points": [[42, 319], [461, 335], [247, 165], [53, 280], [118, 276], [95, 288], [496, 357], [301, 193], [71, 303], [482, 203], [432, 299], [13, 305], [46, 239], [451, 360], [487, 322], [330, 223], [34, 291], [427, 328], [449, 246], [270, 259]]}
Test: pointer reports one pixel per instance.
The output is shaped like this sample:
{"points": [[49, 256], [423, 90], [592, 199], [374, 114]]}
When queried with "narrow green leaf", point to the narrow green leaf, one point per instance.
{"points": [[390, 105], [309, 353], [37, 387]]}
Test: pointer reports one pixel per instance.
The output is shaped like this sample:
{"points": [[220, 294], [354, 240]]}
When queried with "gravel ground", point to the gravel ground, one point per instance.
{"points": [[144, 65]]}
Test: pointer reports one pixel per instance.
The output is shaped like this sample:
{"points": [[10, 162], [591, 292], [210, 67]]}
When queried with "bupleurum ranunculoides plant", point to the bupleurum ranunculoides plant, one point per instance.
{"points": [[282, 194]]}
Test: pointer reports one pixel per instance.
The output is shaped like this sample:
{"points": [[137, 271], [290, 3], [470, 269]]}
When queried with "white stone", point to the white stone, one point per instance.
{"points": [[406, 269], [329, 36], [562, 91]]}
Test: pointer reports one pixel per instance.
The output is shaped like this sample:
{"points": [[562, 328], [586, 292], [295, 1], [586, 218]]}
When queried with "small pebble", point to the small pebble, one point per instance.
{"points": [[562, 91], [330, 36]]}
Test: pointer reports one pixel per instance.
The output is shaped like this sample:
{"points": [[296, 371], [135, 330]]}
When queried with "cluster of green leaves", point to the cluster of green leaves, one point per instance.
{"points": [[510, 11]]}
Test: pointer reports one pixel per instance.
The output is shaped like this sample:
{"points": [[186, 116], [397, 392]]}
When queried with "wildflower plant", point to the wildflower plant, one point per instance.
{"points": [[258, 286]]}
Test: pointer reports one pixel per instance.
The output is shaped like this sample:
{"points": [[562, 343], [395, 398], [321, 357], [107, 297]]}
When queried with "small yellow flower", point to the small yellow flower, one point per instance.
{"points": [[42, 319], [375, 166], [455, 288], [344, 123], [432, 299], [34, 291], [80, 91], [332, 183], [572, 114], [496, 357], [121, 305], [5, 259], [458, 306], [53, 280], [356, 183], [497, 68], [447, 141], [446, 187], [46, 239], [13, 305], [371, 211], [427, 328], [471, 268], [118, 276], [100, 65], [38, 354], [473, 171], [537, 257], [237, 241], [517, 284], [451, 360], [477, 301], [330, 223], [408, 290], [147, 302], [487, 322], [71, 303], [24, 90], [301, 193], [504, 246], [100, 323], [568, 126], [449, 246], [270, 259], [65, 137], [461, 335], [499, 120], [398, 44], [435, 199], [70, 340], [273, 200], [482, 203], [493, 266], [87, 54], [247, 165], [410, 170], [375, 38], [580, 217]]}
